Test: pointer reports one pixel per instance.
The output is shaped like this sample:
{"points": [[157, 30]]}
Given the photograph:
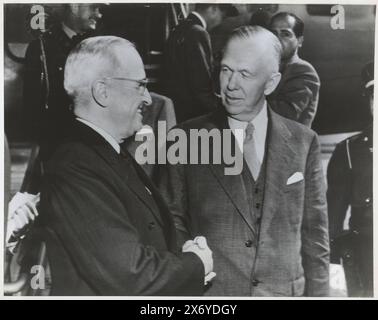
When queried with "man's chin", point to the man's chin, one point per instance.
{"points": [[232, 109]]}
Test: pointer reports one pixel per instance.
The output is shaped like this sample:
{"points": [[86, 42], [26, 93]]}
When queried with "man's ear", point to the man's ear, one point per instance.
{"points": [[272, 83], [99, 93], [300, 41]]}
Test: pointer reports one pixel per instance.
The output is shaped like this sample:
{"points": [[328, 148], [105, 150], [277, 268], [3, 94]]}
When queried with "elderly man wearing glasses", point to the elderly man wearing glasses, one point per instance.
{"points": [[108, 231]]}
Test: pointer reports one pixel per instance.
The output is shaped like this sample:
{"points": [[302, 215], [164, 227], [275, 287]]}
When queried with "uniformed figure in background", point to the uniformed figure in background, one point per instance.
{"points": [[350, 183], [46, 104], [189, 61]]}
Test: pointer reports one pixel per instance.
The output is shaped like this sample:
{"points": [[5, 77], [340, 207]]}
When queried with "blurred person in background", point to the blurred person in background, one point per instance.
{"points": [[297, 95], [189, 61], [46, 104]]}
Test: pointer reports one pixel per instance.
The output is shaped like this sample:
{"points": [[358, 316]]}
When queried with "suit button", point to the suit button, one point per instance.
{"points": [[257, 190], [257, 205], [255, 282], [151, 225], [248, 243], [258, 220], [367, 200]]}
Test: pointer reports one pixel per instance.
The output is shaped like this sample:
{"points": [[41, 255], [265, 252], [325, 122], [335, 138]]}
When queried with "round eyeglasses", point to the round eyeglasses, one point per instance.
{"points": [[142, 84]]}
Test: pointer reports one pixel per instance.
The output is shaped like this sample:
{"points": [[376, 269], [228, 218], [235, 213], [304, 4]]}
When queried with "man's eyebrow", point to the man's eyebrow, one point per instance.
{"points": [[225, 65], [245, 70]]}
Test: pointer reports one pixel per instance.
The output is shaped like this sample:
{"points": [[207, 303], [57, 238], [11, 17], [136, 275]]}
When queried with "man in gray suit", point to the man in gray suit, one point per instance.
{"points": [[297, 95], [267, 226]]}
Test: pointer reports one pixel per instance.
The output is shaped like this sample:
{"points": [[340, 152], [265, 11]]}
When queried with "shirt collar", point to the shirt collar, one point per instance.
{"points": [[113, 142], [260, 122], [68, 31], [204, 24]]}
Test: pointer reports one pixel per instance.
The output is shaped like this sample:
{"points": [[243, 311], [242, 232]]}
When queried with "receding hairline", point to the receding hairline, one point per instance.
{"points": [[251, 35], [104, 51]]}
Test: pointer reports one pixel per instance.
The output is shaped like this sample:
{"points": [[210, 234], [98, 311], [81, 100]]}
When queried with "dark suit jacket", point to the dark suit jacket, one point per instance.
{"points": [[288, 253], [297, 94], [350, 183], [189, 70], [108, 230]]}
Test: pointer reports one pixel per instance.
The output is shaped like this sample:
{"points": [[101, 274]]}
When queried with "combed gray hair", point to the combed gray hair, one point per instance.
{"points": [[92, 59], [250, 32]]}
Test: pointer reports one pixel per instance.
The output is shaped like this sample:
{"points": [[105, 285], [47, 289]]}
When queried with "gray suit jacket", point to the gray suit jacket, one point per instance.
{"points": [[288, 255], [297, 94]]}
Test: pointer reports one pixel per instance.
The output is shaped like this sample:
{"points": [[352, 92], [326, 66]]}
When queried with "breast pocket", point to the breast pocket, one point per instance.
{"points": [[293, 187], [293, 201]]}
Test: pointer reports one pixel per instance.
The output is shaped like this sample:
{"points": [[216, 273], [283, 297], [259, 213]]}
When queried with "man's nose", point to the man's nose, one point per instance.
{"points": [[147, 100], [232, 82]]}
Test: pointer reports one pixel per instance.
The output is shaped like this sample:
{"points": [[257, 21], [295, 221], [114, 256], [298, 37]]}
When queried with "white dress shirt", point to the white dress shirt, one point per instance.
{"points": [[68, 31], [113, 142], [204, 24], [260, 122]]}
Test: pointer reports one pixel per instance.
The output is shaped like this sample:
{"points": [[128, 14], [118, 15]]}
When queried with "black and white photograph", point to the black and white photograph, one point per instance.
{"points": [[188, 150]]}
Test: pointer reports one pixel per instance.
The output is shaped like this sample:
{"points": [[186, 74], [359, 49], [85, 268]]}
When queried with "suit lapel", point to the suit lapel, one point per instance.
{"points": [[279, 156], [233, 185], [123, 166], [163, 214]]}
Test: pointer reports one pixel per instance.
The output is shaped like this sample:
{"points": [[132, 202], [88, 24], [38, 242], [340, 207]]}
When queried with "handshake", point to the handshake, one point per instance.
{"points": [[199, 247]]}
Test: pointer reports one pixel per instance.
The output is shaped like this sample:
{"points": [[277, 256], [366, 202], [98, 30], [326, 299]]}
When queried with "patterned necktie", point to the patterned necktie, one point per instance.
{"points": [[250, 153]]}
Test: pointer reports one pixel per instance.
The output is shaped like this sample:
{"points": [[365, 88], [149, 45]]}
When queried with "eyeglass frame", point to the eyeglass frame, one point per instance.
{"points": [[143, 83]]}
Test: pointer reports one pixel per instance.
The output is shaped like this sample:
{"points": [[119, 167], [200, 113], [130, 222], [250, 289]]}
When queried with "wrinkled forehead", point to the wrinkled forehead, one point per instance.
{"points": [[250, 54]]}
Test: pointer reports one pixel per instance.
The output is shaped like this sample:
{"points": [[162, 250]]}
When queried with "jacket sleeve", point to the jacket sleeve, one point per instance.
{"points": [[109, 253], [315, 242], [297, 97], [338, 194], [199, 73]]}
